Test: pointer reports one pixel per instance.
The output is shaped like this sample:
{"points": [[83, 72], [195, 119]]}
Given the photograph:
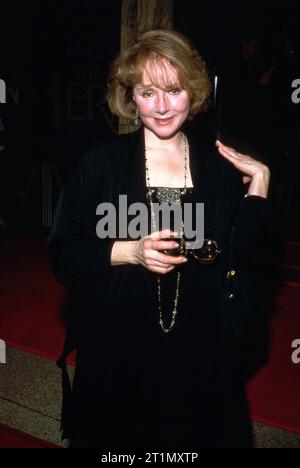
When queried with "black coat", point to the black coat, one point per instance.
{"points": [[136, 386]]}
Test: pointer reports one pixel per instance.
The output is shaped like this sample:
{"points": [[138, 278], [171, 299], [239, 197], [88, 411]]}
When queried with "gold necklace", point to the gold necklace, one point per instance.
{"points": [[149, 196]]}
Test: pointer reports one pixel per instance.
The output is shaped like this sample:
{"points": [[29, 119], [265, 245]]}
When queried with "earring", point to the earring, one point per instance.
{"points": [[137, 120]]}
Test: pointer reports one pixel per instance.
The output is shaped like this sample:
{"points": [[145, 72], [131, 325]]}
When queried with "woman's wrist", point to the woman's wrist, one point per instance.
{"points": [[123, 253], [259, 184]]}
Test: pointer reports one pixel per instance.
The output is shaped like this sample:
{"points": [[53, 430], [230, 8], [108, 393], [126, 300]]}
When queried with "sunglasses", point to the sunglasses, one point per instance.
{"points": [[207, 253]]}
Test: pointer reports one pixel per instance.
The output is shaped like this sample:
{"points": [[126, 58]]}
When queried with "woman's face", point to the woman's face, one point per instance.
{"points": [[162, 109]]}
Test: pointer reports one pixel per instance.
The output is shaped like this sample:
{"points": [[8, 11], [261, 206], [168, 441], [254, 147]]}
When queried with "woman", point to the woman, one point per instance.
{"points": [[153, 367]]}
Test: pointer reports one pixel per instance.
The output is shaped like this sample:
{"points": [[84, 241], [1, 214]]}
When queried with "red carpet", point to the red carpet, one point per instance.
{"points": [[11, 438], [30, 298], [274, 393], [30, 308]]}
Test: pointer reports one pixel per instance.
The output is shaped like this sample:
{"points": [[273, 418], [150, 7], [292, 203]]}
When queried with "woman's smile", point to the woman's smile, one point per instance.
{"points": [[164, 121]]}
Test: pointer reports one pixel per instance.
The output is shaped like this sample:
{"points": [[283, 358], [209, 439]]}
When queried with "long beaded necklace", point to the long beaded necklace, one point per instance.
{"points": [[149, 196]]}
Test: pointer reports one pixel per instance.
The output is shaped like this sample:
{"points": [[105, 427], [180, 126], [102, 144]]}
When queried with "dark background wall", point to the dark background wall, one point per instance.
{"points": [[54, 57]]}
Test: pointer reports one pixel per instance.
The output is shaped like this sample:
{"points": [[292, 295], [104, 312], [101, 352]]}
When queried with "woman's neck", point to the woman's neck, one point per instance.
{"points": [[153, 142]]}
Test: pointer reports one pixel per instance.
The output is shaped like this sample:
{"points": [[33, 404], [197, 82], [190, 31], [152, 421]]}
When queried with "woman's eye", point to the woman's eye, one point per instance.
{"points": [[175, 91], [147, 94]]}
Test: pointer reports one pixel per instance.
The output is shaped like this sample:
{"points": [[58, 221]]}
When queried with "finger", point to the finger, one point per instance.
{"points": [[158, 235], [219, 144], [233, 152], [168, 259], [156, 263], [248, 167], [159, 245], [240, 161], [228, 150], [161, 271], [230, 157], [164, 245], [226, 147]]}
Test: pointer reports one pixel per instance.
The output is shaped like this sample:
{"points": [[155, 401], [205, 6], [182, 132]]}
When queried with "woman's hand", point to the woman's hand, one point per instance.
{"points": [[146, 252], [253, 171]]}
